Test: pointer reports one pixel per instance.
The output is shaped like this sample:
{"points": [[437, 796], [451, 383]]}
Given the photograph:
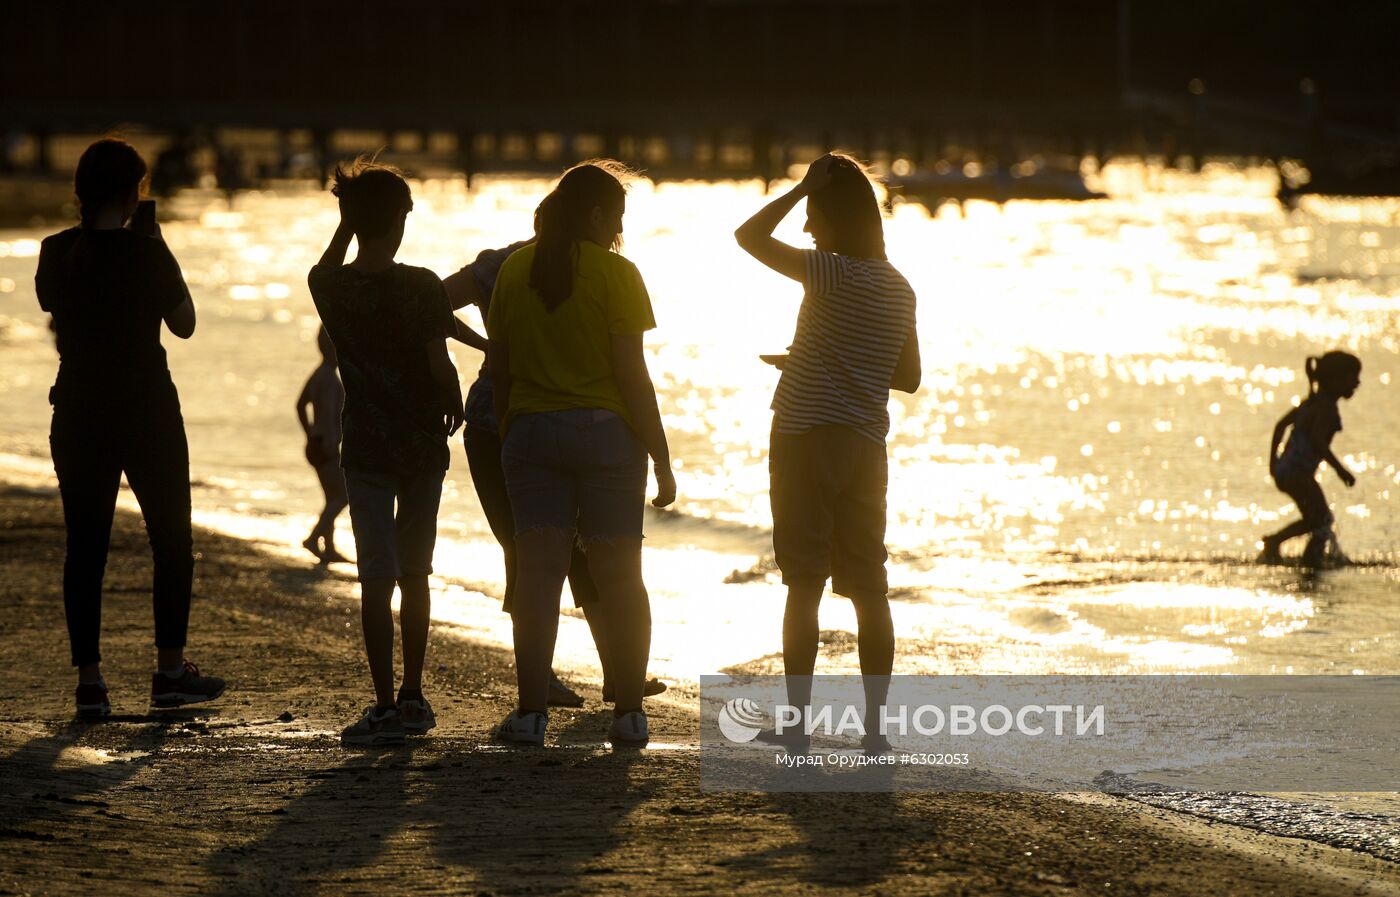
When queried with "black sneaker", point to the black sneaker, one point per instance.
{"points": [[91, 698], [187, 688]]}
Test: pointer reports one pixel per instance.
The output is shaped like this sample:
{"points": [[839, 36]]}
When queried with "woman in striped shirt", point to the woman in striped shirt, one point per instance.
{"points": [[855, 340]]}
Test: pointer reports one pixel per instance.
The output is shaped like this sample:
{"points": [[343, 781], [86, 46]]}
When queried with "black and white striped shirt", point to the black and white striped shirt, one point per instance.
{"points": [[854, 319]]}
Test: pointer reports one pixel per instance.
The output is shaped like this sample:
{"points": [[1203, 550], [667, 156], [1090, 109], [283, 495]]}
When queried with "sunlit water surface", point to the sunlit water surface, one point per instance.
{"points": [[1078, 487]]}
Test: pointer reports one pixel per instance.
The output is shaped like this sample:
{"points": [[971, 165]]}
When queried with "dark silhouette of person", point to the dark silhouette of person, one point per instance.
{"points": [[116, 410], [473, 285], [1331, 378], [390, 324], [578, 415], [324, 396], [855, 340]]}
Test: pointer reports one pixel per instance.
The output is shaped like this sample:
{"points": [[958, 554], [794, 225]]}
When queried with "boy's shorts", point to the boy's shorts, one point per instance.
{"points": [[393, 542], [828, 496]]}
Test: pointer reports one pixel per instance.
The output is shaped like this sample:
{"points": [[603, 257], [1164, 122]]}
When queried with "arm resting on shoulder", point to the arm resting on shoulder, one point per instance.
{"points": [[462, 289], [467, 336], [639, 395]]}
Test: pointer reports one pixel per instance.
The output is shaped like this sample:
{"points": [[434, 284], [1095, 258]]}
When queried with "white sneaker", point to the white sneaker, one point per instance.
{"points": [[630, 728], [522, 728], [417, 715], [374, 728]]}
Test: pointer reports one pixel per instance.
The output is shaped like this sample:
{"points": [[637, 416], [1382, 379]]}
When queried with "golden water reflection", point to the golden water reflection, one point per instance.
{"points": [[1079, 486]]}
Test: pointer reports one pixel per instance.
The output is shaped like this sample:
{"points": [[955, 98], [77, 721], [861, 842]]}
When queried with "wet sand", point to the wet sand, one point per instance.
{"points": [[254, 794]]}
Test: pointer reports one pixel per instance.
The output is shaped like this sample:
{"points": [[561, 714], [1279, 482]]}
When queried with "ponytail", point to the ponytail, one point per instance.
{"points": [[563, 218], [1332, 371]]}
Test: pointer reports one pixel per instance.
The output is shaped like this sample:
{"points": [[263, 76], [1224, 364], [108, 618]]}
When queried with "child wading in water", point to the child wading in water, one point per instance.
{"points": [[1331, 377], [324, 395]]}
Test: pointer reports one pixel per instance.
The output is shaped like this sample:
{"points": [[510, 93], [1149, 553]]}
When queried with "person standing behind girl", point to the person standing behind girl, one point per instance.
{"points": [[1331, 377], [324, 395], [115, 411], [855, 339], [578, 417]]}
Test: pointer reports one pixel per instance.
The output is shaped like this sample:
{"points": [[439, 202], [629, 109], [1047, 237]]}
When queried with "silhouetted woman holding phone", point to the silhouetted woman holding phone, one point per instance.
{"points": [[109, 286]]}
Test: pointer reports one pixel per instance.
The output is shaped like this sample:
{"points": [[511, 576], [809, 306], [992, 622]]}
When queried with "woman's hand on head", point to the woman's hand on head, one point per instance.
{"points": [[818, 174], [665, 486]]}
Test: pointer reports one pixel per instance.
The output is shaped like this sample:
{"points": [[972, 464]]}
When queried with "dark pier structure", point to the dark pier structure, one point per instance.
{"points": [[714, 88]]}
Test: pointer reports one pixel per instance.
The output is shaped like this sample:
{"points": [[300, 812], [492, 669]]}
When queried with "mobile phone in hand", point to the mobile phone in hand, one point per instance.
{"points": [[143, 220]]}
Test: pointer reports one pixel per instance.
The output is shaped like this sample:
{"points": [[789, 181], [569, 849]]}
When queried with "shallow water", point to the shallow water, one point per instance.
{"points": [[1077, 488]]}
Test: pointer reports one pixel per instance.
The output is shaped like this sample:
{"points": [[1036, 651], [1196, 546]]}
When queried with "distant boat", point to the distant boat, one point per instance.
{"points": [[1380, 181], [931, 188]]}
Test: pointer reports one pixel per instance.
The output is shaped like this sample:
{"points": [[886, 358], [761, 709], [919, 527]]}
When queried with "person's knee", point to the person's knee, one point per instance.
{"points": [[172, 549], [871, 609], [614, 564], [804, 593], [377, 590], [413, 586]]}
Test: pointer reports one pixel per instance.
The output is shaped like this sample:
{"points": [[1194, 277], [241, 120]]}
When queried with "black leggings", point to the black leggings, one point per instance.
{"points": [[95, 440], [484, 459]]}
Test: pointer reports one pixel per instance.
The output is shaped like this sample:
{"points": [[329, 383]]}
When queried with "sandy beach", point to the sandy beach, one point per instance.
{"points": [[254, 794]]}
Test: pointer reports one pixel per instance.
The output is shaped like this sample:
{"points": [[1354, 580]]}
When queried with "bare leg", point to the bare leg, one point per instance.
{"points": [[323, 533], [1292, 531], [800, 634], [542, 558], [377, 621], [593, 613], [625, 614], [415, 613], [875, 641]]}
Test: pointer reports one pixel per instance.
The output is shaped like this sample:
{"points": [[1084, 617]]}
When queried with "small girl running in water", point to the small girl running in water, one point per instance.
{"points": [[1331, 377], [325, 396]]}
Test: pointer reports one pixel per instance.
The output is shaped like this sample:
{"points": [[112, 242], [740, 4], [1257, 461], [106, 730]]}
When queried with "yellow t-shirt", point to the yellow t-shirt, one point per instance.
{"points": [[562, 359]]}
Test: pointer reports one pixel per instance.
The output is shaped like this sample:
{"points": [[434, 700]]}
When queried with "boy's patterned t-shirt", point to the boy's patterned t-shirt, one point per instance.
{"points": [[381, 324]]}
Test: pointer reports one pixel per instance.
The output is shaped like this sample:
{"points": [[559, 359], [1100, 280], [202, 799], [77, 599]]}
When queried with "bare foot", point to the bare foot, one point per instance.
{"points": [[310, 545], [331, 556]]}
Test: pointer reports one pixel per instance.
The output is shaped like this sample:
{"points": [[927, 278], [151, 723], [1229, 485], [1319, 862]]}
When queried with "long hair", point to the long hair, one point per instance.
{"points": [[848, 203], [1330, 370], [107, 171], [563, 218]]}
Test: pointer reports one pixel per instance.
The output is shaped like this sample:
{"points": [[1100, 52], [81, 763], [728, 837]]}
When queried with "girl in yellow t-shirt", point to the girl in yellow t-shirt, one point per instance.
{"points": [[578, 418]]}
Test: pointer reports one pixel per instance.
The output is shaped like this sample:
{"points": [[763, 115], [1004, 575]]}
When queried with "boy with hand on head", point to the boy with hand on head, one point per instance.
{"points": [[390, 324]]}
